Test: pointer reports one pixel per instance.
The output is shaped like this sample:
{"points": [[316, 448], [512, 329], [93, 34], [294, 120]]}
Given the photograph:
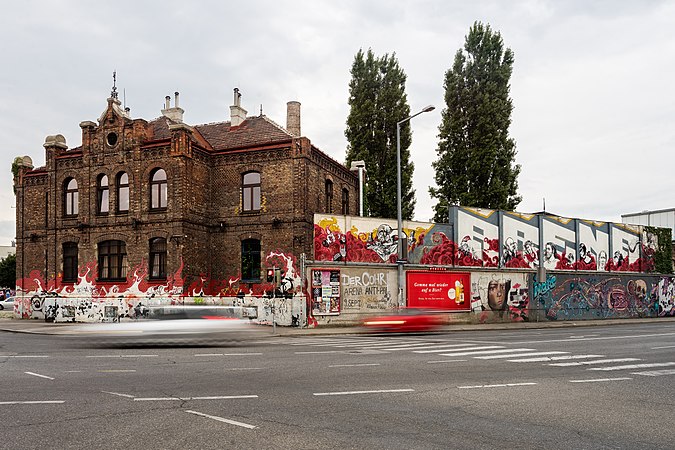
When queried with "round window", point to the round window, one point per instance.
{"points": [[112, 139]]}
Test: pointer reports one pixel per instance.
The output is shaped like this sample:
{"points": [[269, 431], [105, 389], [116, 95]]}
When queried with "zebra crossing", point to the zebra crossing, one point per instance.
{"points": [[486, 351]]}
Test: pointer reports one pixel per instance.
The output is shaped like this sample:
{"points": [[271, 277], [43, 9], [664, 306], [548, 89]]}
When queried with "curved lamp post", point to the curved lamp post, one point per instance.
{"points": [[399, 256]]}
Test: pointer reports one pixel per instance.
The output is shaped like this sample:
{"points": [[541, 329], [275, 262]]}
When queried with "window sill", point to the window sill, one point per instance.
{"points": [[251, 281], [157, 210]]}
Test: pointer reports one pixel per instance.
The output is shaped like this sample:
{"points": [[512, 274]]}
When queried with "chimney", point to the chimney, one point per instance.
{"points": [[237, 113], [293, 118], [175, 113]]}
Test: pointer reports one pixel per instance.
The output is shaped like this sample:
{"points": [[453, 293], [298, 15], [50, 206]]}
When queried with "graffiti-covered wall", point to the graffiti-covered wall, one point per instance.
{"points": [[488, 238], [514, 240], [500, 295], [366, 240], [603, 296], [90, 299]]}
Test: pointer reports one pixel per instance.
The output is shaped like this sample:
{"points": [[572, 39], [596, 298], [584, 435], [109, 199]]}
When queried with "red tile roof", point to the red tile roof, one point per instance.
{"points": [[221, 136]]}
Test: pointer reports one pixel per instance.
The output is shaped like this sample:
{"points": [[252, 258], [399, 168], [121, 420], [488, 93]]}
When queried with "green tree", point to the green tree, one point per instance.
{"points": [[475, 165], [377, 101], [8, 272]]}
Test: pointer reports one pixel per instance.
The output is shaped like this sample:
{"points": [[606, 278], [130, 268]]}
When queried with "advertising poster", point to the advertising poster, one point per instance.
{"points": [[325, 291], [439, 290]]}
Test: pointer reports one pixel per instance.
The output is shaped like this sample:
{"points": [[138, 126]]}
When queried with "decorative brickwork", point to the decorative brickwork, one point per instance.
{"points": [[204, 222]]}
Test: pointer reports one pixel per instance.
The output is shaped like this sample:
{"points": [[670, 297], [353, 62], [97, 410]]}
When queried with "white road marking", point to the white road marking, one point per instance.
{"points": [[244, 368], [596, 380], [347, 344], [117, 371], [446, 361], [26, 356], [656, 373], [403, 347], [73, 371], [354, 365], [468, 347], [34, 402], [666, 346], [380, 345], [228, 354], [582, 337], [496, 385], [633, 366], [599, 338], [121, 356], [597, 361], [319, 352], [221, 419], [220, 397], [382, 391], [520, 355], [118, 394], [38, 375], [555, 358], [486, 352]]}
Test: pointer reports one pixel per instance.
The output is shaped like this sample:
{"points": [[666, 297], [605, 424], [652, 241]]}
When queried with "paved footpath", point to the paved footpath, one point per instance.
{"points": [[12, 325]]}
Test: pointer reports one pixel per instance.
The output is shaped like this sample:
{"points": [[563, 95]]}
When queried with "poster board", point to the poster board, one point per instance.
{"points": [[325, 292], [439, 290]]}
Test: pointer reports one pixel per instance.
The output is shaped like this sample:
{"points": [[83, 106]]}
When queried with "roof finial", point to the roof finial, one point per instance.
{"points": [[113, 92], [261, 109]]}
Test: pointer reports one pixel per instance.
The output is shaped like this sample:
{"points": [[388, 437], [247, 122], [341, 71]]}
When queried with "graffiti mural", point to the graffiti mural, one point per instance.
{"points": [[89, 300], [355, 239], [477, 237], [500, 295], [566, 297], [664, 292], [368, 289]]}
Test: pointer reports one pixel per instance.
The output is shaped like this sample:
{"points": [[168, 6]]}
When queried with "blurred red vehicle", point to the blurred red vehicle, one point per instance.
{"points": [[405, 320]]}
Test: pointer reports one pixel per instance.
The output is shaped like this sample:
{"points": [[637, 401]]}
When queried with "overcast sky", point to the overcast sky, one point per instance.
{"points": [[592, 85]]}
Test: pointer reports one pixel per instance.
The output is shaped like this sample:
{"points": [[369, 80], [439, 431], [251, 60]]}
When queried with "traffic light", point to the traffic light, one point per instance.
{"points": [[270, 275]]}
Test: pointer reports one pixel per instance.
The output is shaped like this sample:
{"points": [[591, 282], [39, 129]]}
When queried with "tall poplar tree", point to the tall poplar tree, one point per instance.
{"points": [[377, 101], [475, 165]]}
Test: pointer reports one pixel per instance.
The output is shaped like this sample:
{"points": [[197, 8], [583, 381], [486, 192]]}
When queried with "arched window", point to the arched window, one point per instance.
{"points": [[158, 189], [122, 192], [329, 196], [71, 199], [250, 188], [102, 195], [345, 201], [157, 259], [250, 260], [112, 261], [70, 262]]}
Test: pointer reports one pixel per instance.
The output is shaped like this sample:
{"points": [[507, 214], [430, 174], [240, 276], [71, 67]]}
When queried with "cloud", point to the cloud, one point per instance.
{"points": [[591, 83]]}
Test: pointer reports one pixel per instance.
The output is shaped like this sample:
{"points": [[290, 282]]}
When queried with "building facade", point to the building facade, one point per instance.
{"points": [[162, 208]]}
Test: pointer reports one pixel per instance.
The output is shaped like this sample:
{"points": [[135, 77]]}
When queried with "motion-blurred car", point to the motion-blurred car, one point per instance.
{"points": [[7, 304], [405, 320], [193, 325]]}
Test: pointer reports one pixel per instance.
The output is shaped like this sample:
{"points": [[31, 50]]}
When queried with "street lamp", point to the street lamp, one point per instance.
{"points": [[399, 255], [361, 167]]}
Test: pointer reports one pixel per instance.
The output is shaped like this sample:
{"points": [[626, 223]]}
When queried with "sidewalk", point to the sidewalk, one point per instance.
{"points": [[41, 327]]}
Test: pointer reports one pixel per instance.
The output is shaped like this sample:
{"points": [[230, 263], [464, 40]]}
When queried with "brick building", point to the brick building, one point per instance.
{"points": [[165, 207]]}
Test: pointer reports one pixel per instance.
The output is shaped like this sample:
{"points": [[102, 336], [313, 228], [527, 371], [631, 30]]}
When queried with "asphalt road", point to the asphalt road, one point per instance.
{"points": [[594, 387]]}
